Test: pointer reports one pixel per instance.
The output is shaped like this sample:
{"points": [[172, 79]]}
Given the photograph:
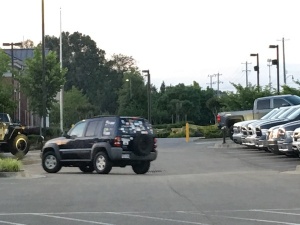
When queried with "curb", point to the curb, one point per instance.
{"points": [[20, 174]]}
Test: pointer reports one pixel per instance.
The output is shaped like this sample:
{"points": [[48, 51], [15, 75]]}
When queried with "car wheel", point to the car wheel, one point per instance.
{"points": [[143, 144], [50, 162], [142, 167], [102, 163], [19, 145], [87, 168]]}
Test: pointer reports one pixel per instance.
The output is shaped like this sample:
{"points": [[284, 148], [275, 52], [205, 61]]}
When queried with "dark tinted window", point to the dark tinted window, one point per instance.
{"points": [[4, 118], [109, 126], [278, 102], [263, 104], [134, 125], [294, 99], [91, 129]]}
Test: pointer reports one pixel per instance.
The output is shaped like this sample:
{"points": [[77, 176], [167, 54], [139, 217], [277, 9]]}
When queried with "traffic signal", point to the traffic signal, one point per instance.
{"points": [[256, 68]]}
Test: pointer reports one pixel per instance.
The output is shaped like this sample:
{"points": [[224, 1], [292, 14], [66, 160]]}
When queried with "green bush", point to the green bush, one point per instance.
{"points": [[10, 165], [211, 131]]}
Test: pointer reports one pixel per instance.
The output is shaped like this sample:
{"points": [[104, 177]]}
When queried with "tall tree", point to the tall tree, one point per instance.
{"points": [[31, 80], [6, 102]]}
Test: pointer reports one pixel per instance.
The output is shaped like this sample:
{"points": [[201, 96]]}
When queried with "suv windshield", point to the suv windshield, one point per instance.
{"points": [[280, 112], [270, 114], [288, 113]]}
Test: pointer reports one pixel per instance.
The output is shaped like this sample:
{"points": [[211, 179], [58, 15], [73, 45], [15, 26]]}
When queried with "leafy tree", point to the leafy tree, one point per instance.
{"points": [[214, 104], [28, 44], [289, 90], [31, 80], [133, 95], [73, 112], [6, 101]]}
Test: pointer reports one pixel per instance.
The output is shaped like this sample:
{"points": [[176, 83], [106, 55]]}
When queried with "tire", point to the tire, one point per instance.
{"points": [[142, 167], [102, 163], [50, 162], [87, 168], [143, 144], [19, 145], [4, 147]]}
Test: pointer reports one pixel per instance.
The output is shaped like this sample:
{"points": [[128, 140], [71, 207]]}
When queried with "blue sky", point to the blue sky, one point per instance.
{"points": [[179, 41]]}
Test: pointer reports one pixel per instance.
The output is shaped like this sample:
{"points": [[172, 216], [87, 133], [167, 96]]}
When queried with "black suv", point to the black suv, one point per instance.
{"points": [[101, 143]]}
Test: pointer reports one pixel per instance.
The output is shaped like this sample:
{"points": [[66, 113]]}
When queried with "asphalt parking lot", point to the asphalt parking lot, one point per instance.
{"points": [[190, 183]]}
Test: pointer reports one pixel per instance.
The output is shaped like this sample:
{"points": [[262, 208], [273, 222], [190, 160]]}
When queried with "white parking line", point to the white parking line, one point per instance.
{"points": [[6, 222], [72, 219], [256, 220], [284, 213], [158, 218]]}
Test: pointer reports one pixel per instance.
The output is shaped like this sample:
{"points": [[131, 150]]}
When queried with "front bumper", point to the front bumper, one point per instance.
{"points": [[286, 148], [250, 141], [237, 138], [261, 142], [273, 146], [296, 147]]}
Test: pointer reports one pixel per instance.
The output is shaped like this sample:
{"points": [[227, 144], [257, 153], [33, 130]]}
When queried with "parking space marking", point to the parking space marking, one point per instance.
{"points": [[256, 220], [158, 218], [283, 213], [6, 222], [73, 219]]}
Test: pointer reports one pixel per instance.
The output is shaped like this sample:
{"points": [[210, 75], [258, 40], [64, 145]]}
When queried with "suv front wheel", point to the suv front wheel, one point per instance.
{"points": [[102, 163], [50, 162], [142, 167]]}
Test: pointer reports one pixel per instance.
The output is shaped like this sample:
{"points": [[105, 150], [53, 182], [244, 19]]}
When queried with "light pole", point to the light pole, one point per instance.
{"points": [[12, 69], [256, 68], [276, 62], [129, 80], [44, 97], [149, 93], [270, 80]]}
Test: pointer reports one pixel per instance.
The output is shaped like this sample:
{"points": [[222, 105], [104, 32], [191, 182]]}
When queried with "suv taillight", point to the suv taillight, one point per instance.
{"points": [[155, 143], [117, 141], [218, 118]]}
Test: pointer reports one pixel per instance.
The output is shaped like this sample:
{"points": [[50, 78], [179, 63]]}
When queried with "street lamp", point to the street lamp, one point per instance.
{"points": [[270, 80], [129, 80], [12, 69], [256, 68], [149, 94], [276, 62]]}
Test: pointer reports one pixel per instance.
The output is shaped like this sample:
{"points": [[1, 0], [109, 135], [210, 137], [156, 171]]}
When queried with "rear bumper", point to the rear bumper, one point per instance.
{"points": [[117, 154]]}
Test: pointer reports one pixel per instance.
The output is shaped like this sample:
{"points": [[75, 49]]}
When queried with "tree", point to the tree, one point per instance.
{"points": [[214, 104], [6, 101], [73, 112], [132, 97], [31, 80], [28, 44]]}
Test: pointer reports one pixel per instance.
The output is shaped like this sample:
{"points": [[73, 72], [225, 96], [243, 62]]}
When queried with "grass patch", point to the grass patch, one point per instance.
{"points": [[10, 165]]}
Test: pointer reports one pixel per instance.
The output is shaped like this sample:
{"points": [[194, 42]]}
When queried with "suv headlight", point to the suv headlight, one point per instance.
{"points": [[264, 131]]}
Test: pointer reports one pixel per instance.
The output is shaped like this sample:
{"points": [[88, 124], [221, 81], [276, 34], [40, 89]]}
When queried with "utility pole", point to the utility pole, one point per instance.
{"points": [[283, 59], [218, 82], [44, 93], [246, 72], [211, 82]]}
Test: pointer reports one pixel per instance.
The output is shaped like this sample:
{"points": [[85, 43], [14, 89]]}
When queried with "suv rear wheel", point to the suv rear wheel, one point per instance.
{"points": [[142, 167], [50, 162], [102, 163]]}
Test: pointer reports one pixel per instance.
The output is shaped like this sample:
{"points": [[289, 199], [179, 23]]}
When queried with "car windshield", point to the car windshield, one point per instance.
{"points": [[281, 112], [294, 114], [270, 114]]}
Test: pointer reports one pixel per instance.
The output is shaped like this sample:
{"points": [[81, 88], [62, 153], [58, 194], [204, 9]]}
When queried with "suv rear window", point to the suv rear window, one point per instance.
{"points": [[134, 125]]}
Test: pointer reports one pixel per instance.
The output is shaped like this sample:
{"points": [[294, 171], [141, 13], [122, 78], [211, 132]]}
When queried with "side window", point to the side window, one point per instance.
{"points": [[263, 104], [91, 129], [109, 126], [279, 102], [78, 129]]}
